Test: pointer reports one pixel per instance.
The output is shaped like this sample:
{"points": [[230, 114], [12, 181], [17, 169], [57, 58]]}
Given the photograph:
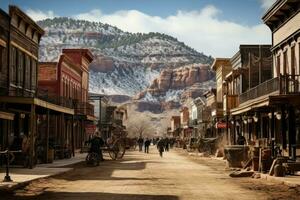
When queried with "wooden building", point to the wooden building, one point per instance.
{"points": [[251, 66], [175, 126], [112, 126], [211, 104], [67, 80], [19, 95], [222, 67], [283, 18], [6, 118], [186, 131]]}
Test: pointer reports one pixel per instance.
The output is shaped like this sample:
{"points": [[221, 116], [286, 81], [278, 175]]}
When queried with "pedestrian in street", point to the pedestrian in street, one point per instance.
{"points": [[241, 139], [161, 147], [140, 143], [167, 143], [146, 145], [96, 143], [25, 149]]}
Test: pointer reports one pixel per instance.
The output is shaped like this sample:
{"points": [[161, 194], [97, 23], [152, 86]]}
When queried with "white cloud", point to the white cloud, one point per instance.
{"points": [[266, 4], [40, 15], [203, 30]]}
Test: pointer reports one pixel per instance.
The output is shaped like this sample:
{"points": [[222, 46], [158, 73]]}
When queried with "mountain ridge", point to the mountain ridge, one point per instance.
{"points": [[125, 63]]}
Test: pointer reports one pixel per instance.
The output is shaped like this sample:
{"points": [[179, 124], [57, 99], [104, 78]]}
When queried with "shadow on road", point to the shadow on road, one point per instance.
{"points": [[93, 195], [105, 170]]}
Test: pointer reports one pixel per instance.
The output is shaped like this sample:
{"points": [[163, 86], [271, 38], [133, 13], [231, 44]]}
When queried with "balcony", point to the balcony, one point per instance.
{"points": [[84, 108], [52, 98], [285, 85], [230, 102], [290, 84], [217, 109]]}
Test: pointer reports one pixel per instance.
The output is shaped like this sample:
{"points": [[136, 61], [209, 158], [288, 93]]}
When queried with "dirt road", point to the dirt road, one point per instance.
{"points": [[149, 177]]}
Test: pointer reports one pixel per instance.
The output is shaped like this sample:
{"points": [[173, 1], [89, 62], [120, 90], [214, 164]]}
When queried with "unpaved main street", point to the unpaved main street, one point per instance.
{"points": [[147, 176]]}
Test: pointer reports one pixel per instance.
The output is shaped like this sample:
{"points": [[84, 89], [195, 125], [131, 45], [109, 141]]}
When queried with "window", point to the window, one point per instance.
{"points": [[285, 63], [1, 58], [293, 61], [278, 65], [27, 80], [13, 68], [33, 74], [20, 69]]}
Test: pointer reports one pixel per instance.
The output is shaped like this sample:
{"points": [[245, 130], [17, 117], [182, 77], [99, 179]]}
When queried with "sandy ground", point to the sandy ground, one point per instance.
{"points": [[176, 176]]}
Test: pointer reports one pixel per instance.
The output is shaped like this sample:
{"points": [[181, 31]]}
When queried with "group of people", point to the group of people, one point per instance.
{"points": [[146, 143], [163, 144]]}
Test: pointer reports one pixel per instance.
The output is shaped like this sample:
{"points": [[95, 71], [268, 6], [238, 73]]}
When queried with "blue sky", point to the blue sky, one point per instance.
{"points": [[215, 27]]}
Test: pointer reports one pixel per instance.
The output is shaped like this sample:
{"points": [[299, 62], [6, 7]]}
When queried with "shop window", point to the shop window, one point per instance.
{"points": [[13, 68], [1, 58]]}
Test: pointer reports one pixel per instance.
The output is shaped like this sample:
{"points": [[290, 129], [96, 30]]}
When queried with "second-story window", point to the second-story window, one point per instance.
{"points": [[278, 65], [1, 58], [13, 68], [33, 74], [20, 68], [293, 61], [27, 79], [285, 63]]}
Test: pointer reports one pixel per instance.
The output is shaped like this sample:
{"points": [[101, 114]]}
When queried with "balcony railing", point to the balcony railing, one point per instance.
{"points": [[84, 108], [52, 98], [284, 84], [265, 88], [289, 84]]}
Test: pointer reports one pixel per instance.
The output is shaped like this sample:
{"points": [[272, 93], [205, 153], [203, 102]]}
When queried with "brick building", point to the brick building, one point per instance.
{"points": [[67, 80]]}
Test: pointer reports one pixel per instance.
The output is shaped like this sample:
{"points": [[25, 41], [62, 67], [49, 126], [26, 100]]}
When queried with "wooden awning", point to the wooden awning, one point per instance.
{"points": [[91, 118], [37, 102], [6, 115], [252, 104]]}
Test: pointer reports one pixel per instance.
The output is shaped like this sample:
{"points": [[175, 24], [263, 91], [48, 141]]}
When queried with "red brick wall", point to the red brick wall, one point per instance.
{"points": [[47, 72]]}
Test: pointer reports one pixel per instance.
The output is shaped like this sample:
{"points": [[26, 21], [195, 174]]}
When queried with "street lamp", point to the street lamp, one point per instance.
{"points": [[270, 115], [249, 120], [255, 118], [278, 115]]}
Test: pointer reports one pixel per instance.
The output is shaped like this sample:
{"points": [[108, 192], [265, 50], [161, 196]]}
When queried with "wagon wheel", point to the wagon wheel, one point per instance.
{"points": [[122, 148], [117, 150]]}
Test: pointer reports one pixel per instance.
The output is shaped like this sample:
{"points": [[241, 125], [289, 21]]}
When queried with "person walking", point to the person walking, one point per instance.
{"points": [[161, 147], [146, 145], [96, 143], [241, 140], [167, 143], [140, 143]]}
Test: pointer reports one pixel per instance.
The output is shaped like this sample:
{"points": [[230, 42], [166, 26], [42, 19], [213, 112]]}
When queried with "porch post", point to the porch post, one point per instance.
{"points": [[227, 130], [32, 129], [234, 131], [47, 135], [283, 127], [72, 135], [273, 133], [292, 133]]}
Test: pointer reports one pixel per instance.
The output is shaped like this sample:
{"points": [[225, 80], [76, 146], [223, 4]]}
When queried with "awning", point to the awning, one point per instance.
{"points": [[251, 104], [91, 118], [38, 102], [6, 115]]}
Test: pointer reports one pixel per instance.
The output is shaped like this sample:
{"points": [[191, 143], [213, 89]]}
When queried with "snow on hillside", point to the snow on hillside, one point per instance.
{"points": [[137, 59], [132, 80]]}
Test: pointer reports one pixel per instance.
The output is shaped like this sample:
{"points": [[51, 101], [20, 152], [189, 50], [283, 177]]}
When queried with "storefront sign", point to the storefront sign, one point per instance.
{"points": [[221, 125], [90, 128]]}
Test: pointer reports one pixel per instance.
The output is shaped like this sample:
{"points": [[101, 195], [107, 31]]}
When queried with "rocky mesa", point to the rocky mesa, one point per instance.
{"points": [[178, 79]]}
